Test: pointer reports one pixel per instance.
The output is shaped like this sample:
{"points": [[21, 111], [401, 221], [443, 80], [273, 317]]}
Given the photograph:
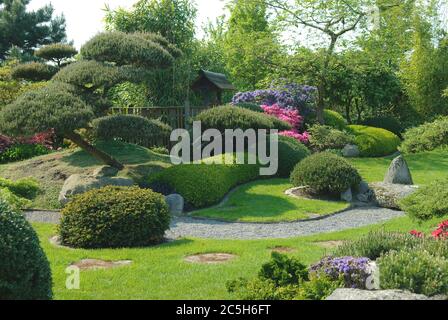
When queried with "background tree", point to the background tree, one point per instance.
{"points": [[250, 44], [77, 93], [27, 30]]}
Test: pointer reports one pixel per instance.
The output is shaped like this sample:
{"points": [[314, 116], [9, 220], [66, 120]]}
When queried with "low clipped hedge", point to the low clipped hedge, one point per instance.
{"points": [[114, 217], [290, 153], [130, 129], [374, 142], [388, 123], [203, 185], [325, 173], [427, 137], [427, 202], [230, 117], [24, 269]]}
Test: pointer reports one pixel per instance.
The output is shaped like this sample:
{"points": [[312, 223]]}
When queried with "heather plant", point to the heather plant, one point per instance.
{"points": [[353, 272], [284, 271]]}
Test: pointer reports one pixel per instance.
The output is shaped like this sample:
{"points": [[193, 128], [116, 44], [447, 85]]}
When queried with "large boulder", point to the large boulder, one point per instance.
{"points": [[387, 195], [399, 172], [176, 204], [351, 151], [364, 193], [358, 295], [78, 184]]}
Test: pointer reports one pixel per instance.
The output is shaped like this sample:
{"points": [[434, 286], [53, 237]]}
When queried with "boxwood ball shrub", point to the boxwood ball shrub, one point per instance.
{"points": [[204, 185], [325, 173], [427, 202], [426, 137], [389, 123], [417, 271], [290, 153], [374, 142], [114, 217], [24, 269], [131, 129], [230, 117]]}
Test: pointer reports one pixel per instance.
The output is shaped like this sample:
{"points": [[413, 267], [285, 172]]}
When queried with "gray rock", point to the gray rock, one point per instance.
{"points": [[176, 204], [105, 171], [388, 195], [351, 151], [364, 193], [399, 172], [78, 184], [347, 195], [358, 295]]}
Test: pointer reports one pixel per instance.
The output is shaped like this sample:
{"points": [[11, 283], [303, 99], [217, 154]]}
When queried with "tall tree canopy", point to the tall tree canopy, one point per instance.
{"points": [[27, 30]]}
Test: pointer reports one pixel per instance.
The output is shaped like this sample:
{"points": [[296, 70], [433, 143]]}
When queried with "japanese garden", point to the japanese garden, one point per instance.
{"points": [[351, 96]]}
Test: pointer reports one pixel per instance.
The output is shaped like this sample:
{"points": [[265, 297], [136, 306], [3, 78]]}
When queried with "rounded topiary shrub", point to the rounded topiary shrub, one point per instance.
{"points": [[114, 217], [325, 173], [374, 142], [426, 137], [388, 123], [427, 202], [230, 117], [290, 153], [131, 129], [334, 119], [24, 269], [33, 71]]}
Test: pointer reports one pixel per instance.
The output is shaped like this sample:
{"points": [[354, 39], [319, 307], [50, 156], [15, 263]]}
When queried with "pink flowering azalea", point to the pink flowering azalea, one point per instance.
{"points": [[290, 116]]}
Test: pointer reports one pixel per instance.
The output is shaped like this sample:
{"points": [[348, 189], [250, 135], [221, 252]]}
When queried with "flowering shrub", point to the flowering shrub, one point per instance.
{"points": [[441, 233], [353, 271], [290, 116], [288, 96]]}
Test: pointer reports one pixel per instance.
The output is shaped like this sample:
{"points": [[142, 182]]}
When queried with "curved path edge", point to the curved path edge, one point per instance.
{"points": [[187, 227]]}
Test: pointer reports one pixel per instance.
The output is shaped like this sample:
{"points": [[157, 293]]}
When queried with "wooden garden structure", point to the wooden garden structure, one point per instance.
{"points": [[210, 86]]}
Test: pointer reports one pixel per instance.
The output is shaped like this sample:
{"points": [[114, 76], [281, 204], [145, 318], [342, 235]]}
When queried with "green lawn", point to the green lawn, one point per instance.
{"points": [[425, 167], [265, 201], [160, 272]]}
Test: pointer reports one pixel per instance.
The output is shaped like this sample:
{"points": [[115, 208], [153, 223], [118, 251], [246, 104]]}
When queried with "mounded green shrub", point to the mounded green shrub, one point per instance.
{"points": [[290, 153], [426, 137], [19, 152], [417, 271], [126, 49], [388, 123], [114, 217], [250, 106], [327, 138], [325, 173], [374, 142], [334, 119], [203, 185], [25, 188], [131, 129], [56, 52], [427, 202], [24, 269], [230, 117], [33, 71], [376, 243]]}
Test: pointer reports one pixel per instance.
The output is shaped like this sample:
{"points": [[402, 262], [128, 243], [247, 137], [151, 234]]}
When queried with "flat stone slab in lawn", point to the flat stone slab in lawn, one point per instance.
{"points": [[186, 227]]}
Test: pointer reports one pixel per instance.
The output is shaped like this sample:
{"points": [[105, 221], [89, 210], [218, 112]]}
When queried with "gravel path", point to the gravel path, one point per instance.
{"points": [[209, 229]]}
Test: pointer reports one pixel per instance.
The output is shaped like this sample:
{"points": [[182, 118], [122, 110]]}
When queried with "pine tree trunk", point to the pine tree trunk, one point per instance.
{"points": [[96, 153]]}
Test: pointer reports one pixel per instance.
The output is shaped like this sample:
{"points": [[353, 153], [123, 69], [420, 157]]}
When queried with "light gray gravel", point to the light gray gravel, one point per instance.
{"points": [[189, 227]]}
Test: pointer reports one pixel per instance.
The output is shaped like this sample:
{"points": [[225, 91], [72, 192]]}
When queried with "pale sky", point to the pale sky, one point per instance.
{"points": [[85, 17]]}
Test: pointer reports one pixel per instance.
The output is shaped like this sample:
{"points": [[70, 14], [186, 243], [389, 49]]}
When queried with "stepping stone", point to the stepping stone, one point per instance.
{"points": [[94, 264], [330, 244], [284, 250], [210, 258]]}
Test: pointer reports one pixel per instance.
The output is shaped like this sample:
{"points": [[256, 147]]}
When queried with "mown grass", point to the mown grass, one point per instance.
{"points": [[161, 273], [265, 201]]}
